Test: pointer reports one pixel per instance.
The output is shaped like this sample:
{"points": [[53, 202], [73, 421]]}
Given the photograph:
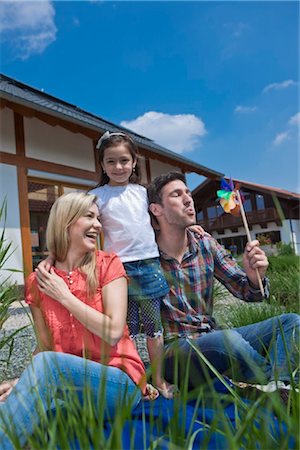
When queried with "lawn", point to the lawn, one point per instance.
{"points": [[215, 416]]}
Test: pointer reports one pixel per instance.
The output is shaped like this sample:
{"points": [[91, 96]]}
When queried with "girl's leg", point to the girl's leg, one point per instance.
{"points": [[150, 310], [50, 376], [133, 318]]}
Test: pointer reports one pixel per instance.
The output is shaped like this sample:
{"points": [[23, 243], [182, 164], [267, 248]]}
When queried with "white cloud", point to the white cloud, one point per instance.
{"points": [[295, 120], [180, 132], [281, 137], [28, 26], [245, 109], [279, 86]]}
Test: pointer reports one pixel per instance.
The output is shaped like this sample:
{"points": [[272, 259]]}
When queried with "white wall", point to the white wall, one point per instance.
{"points": [[63, 178], [159, 168], [58, 145], [9, 188], [290, 232], [7, 131]]}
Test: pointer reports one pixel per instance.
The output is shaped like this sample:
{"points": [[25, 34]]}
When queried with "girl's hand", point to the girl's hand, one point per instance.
{"points": [[52, 285], [46, 264], [6, 388], [198, 229]]}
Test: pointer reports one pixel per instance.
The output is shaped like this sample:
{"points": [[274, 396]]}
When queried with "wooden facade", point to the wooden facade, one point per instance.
{"points": [[272, 213], [48, 147]]}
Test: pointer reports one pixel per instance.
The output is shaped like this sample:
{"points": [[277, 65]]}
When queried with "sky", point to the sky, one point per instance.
{"points": [[217, 82]]}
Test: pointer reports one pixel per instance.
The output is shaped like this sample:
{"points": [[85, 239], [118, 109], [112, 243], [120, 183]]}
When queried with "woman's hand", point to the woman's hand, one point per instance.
{"points": [[51, 284], [46, 264], [6, 388]]}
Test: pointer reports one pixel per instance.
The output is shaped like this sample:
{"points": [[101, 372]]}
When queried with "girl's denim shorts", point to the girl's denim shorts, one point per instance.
{"points": [[146, 279]]}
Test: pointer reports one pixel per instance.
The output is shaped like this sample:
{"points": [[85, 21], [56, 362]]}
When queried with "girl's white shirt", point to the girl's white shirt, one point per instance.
{"points": [[126, 222]]}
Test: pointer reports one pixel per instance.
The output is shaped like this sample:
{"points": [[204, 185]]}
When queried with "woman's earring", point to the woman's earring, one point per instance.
{"points": [[103, 171], [133, 170]]}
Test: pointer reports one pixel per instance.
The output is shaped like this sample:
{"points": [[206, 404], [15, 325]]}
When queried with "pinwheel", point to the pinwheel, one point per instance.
{"points": [[231, 202], [228, 196]]}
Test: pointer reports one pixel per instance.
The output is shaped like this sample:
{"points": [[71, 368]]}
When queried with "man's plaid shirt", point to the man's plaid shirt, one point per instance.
{"points": [[187, 310]]}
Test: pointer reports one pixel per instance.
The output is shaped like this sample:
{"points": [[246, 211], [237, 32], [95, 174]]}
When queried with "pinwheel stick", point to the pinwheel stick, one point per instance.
{"points": [[249, 238]]}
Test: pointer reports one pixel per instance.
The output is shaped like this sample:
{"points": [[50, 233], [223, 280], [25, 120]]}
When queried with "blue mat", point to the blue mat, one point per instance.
{"points": [[151, 421]]}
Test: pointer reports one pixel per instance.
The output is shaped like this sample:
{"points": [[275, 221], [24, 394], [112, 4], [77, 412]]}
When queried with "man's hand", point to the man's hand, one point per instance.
{"points": [[6, 388], [255, 258]]}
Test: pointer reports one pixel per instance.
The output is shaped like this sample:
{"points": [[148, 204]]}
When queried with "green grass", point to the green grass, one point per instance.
{"points": [[283, 274], [85, 423]]}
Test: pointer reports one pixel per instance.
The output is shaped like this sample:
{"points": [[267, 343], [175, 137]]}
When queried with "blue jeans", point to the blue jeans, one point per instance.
{"points": [[259, 352], [52, 376]]}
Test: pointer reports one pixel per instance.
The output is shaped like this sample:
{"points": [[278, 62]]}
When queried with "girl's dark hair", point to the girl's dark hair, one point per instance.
{"points": [[113, 140]]}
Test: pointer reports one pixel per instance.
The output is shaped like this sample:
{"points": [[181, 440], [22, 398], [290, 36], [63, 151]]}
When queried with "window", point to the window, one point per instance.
{"points": [[247, 202], [214, 211], [235, 244], [41, 196], [200, 217], [260, 201], [268, 238]]}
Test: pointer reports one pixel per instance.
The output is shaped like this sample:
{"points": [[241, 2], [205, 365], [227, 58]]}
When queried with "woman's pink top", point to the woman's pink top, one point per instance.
{"points": [[70, 336]]}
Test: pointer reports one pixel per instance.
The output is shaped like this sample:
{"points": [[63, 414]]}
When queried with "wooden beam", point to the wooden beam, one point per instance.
{"points": [[25, 220], [148, 170], [19, 135], [51, 120], [23, 195], [45, 166]]}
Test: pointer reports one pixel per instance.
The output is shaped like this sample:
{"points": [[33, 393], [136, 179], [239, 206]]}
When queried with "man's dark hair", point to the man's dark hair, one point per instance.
{"points": [[155, 187]]}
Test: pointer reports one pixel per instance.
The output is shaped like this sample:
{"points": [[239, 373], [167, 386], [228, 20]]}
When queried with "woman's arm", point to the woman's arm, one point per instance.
{"points": [[42, 331], [109, 325]]}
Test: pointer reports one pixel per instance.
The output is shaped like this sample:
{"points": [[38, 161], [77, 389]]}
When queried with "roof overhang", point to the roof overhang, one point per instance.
{"points": [[44, 106]]}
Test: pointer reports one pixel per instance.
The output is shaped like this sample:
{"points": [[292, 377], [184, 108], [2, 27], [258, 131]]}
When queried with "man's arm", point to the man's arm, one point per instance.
{"points": [[242, 283]]}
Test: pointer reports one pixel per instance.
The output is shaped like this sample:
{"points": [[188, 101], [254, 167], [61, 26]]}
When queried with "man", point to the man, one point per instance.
{"points": [[262, 352]]}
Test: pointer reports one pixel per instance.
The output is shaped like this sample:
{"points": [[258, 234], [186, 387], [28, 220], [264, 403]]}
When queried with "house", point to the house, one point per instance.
{"points": [[272, 215], [47, 148]]}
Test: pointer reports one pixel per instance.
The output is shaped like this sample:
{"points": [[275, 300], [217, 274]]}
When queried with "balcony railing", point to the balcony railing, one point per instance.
{"points": [[229, 221]]}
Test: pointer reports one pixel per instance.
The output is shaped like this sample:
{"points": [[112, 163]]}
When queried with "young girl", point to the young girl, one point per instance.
{"points": [[123, 207]]}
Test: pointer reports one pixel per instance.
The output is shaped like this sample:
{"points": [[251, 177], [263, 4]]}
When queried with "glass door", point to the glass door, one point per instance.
{"points": [[41, 196]]}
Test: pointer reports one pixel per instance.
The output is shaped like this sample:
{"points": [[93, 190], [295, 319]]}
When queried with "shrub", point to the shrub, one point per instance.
{"points": [[284, 281], [279, 264], [9, 292], [285, 249]]}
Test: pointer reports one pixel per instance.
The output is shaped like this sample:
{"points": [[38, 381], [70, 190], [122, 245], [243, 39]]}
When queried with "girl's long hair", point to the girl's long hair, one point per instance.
{"points": [[66, 210], [117, 139]]}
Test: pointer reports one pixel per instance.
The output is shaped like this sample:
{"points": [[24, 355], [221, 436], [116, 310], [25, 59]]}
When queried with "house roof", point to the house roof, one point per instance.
{"points": [[17, 92], [282, 193]]}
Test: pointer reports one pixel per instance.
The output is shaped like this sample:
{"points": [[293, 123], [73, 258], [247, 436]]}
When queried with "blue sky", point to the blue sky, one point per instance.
{"points": [[217, 82]]}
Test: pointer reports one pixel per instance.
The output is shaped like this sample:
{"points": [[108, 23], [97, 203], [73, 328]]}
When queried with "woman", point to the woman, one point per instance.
{"points": [[79, 310]]}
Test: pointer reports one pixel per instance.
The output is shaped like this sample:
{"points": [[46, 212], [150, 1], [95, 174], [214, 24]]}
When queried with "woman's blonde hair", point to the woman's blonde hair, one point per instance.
{"points": [[66, 210]]}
